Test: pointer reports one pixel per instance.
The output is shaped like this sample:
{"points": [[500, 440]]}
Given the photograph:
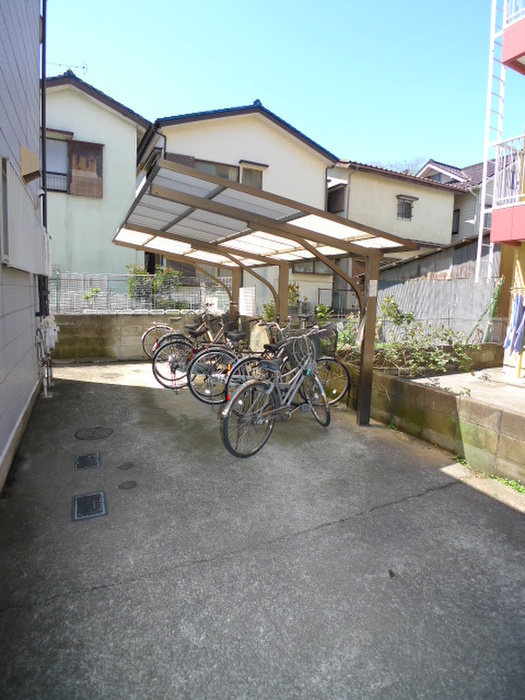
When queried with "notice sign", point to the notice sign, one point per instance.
{"points": [[247, 301], [372, 288]]}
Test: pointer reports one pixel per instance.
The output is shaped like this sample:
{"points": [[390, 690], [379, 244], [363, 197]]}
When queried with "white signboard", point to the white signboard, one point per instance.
{"points": [[247, 301]]}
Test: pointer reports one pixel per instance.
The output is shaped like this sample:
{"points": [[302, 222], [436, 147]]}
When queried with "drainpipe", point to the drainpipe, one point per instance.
{"points": [[43, 280]]}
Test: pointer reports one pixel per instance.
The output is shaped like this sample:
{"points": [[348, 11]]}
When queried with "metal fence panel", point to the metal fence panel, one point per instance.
{"points": [[74, 293]]}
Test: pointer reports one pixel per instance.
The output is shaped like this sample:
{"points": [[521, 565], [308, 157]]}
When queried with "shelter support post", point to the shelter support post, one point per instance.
{"points": [[364, 396], [281, 308], [236, 286]]}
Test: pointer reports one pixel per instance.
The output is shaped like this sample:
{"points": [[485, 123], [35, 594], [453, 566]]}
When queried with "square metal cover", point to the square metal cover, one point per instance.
{"points": [[88, 461], [90, 505]]}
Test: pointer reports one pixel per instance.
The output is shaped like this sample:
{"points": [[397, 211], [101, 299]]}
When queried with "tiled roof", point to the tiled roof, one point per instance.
{"points": [[69, 78], [471, 175], [395, 174]]}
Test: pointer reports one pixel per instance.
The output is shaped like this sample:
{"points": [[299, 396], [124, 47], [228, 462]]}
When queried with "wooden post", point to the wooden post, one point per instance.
{"points": [[364, 392], [281, 309], [236, 285]]}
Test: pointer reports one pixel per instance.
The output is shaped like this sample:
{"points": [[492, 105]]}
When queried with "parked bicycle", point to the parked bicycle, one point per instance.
{"points": [[208, 371], [249, 417], [332, 372], [173, 355]]}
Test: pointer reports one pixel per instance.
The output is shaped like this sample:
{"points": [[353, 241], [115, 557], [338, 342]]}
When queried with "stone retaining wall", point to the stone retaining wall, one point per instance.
{"points": [[84, 337], [491, 440]]}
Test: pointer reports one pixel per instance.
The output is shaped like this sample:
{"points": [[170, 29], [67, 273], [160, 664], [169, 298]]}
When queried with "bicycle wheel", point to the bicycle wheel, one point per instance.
{"points": [[242, 371], [207, 374], [334, 377], [244, 426], [167, 338], [170, 363], [316, 398], [151, 336]]}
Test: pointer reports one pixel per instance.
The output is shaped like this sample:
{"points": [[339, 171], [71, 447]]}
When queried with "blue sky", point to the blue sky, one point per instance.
{"points": [[374, 81]]}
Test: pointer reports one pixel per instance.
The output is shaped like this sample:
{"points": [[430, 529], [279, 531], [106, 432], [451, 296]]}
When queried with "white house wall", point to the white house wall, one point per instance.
{"points": [[294, 171], [82, 228], [467, 204], [19, 126], [373, 200]]}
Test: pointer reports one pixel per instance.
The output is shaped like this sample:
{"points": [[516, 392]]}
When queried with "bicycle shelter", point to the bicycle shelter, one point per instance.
{"points": [[187, 215]]}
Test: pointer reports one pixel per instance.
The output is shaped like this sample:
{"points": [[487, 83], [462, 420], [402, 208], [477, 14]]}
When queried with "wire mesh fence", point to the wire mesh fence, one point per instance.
{"points": [[75, 293]]}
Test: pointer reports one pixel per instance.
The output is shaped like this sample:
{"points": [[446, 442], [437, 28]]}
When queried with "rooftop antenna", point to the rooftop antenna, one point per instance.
{"points": [[83, 67]]}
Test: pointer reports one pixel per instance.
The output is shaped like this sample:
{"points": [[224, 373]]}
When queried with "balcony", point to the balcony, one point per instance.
{"points": [[513, 49], [508, 212]]}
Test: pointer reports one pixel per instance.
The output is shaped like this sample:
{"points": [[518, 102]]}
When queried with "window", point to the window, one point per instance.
{"points": [[85, 168], [186, 269], [455, 221], [230, 172], [405, 204], [252, 177], [336, 200], [312, 267], [74, 167], [252, 173]]}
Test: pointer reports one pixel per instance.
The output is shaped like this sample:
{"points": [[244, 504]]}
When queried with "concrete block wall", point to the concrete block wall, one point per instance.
{"points": [[85, 337], [490, 439]]}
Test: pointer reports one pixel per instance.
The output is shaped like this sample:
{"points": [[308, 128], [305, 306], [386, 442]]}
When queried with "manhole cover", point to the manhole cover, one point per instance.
{"points": [[125, 466], [93, 433], [88, 461], [90, 505], [126, 485]]}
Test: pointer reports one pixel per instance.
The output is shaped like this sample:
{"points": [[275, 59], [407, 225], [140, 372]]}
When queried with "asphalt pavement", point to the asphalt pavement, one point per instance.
{"points": [[141, 560]]}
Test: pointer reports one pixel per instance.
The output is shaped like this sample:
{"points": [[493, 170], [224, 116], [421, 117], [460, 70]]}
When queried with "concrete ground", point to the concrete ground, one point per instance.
{"points": [[346, 562]]}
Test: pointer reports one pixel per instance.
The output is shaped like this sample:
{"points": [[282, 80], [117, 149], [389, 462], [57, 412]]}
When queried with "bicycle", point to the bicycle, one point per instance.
{"points": [[160, 333], [208, 371], [249, 418], [173, 356], [332, 372]]}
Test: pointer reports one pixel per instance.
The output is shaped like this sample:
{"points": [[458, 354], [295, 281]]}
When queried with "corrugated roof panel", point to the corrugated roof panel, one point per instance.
{"points": [[169, 246], [254, 204]]}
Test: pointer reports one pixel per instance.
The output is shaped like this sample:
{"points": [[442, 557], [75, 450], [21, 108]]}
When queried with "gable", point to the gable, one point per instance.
{"points": [[291, 167]]}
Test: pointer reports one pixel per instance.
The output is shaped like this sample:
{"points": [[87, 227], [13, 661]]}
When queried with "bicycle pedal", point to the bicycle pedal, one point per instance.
{"points": [[305, 407]]}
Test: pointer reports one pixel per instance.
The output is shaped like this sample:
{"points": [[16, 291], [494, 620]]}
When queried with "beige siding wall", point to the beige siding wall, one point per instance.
{"points": [[466, 204], [19, 126], [294, 171], [82, 228], [373, 201]]}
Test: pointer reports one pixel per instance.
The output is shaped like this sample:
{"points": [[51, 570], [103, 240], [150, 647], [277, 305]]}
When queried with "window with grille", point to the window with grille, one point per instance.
{"points": [[405, 205], [74, 167]]}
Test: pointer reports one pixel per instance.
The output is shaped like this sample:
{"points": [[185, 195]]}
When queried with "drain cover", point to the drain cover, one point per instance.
{"points": [[125, 466], [93, 433], [89, 461], [126, 485], [91, 505]]}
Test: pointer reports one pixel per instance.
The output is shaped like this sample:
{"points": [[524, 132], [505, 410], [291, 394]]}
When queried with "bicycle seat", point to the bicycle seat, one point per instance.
{"points": [[196, 333], [235, 336], [272, 365]]}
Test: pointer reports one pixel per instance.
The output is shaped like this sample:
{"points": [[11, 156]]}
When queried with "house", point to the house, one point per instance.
{"points": [[507, 52], [91, 143], [253, 146], [24, 244], [468, 181], [403, 205]]}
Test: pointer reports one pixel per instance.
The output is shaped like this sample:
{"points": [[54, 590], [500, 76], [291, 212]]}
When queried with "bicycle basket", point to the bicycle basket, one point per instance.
{"points": [[303, 350]]}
